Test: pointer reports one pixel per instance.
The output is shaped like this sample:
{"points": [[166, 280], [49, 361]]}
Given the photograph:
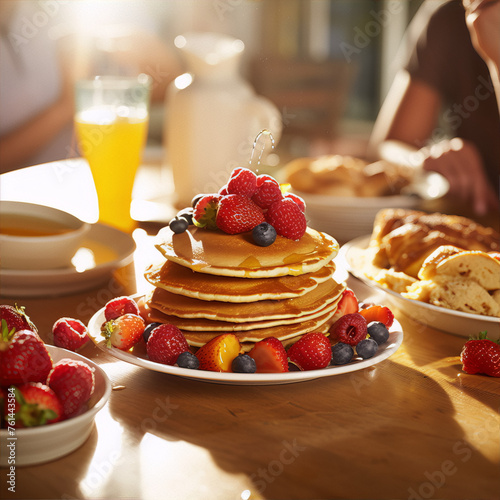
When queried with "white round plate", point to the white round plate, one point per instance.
{"points": [[103, 250], [41, 444], [140, 359], [447, 320]]}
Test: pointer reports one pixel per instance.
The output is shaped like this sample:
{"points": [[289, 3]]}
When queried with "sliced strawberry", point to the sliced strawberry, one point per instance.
{"points": [[270, 356], [378, 313], [312, 352], [238, 214], [124, 332], [348, 303], [218, 354], [243, 182], [36, 404], [70, 334], [73, 381], [287, 218], [165, 344], [205, 211]]}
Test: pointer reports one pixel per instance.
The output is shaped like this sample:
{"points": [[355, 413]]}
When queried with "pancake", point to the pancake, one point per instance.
{"points": [[283, 333], [296, 307], [216, 325], [182, 280], [222, 254]]}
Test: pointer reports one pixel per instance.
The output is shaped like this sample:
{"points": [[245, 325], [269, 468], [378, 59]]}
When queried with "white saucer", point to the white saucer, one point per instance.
{"points": [[104, 250]]}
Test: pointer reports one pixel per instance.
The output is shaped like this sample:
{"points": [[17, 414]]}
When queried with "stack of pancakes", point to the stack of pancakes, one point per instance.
{"points": [[213, 283]]}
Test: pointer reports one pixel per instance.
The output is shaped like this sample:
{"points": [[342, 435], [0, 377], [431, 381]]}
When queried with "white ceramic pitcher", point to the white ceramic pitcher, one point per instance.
{"points": [[213, 116]]}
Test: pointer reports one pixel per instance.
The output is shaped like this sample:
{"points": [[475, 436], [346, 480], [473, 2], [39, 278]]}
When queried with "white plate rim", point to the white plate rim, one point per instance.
{"points": [[384, 352], [361, 243]]}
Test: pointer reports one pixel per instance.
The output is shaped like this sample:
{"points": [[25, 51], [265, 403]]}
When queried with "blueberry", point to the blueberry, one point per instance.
{"points": [[147, 331], [178, 225], [243, 363], [188, 360], [186, 213], [342, 354], [378, 332], [264, 234], [366, 348]]}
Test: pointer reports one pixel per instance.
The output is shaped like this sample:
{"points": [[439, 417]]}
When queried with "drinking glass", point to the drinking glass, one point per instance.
{"points": [[111, 122]]}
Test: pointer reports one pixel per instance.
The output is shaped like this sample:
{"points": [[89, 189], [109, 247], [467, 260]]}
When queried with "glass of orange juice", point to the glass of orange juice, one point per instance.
{"points": [[111, 123]]}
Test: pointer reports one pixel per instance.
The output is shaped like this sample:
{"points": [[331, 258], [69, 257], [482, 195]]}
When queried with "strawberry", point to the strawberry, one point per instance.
{"points": [[297, 199], [242, 181], [238, 214], [270, 356], [223, 190], [70, 334], [23, 358], [165, 344], [312, 352], [124, 332], [73, 382], [218, 354], [481, 355], [287, 218], [378, 313], [16, 318], [119, 306], [348, 303], [268, 191], [205, 211], [349, 329], [36, 404]]}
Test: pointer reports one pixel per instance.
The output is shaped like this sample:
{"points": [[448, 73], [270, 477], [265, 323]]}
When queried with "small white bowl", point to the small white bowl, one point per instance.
{"points": [[58, 236], [41, 444]]}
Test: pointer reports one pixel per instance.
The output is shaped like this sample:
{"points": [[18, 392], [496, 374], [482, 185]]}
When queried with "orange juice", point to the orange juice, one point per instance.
{"points": [[112, 145]]}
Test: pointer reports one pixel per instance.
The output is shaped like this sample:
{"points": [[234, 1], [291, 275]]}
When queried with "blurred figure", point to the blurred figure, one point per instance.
{"points": [[441, 112], [483, 21], [43, 54], [36, 96]]}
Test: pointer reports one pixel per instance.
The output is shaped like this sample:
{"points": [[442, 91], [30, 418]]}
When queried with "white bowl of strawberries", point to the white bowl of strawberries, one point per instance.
{"points": [[50, 397]]}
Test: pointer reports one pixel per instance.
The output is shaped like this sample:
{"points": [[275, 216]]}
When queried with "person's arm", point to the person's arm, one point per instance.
{"points": [[402, 132], [483, 21], [25, 141]]}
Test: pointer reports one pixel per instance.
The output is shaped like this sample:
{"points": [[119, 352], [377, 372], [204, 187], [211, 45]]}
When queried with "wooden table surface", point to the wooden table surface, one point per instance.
{"points": [[412, 427]]}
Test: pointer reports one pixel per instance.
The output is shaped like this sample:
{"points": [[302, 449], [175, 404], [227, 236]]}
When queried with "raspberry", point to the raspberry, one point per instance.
{"points": [[242, 181], [312, 352], [165, 344], [349, 329], [73, 382], [297, 199], [238, 214], [70, 334], [287, 218], [119, 306], [268, 191], [205, 211]]}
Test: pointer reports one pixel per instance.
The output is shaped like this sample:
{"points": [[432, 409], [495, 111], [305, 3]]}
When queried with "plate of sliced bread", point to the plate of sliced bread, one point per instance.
{"points": [[443, 271]]}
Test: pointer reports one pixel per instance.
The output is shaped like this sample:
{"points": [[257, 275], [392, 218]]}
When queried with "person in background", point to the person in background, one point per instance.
{"points": [[41, 60], [441, 112]]}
